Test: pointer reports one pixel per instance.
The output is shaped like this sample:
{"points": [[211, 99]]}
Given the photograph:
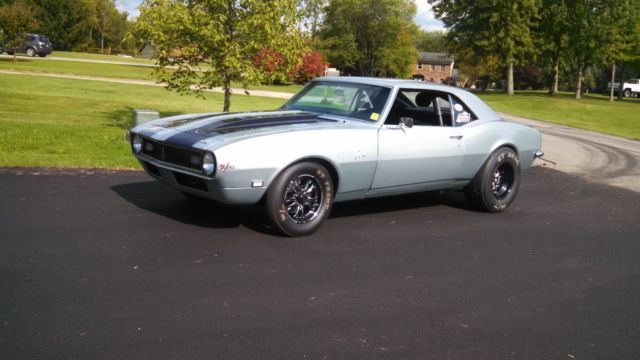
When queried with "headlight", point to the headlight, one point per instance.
{"points": [[137, 144], [208, 163]]}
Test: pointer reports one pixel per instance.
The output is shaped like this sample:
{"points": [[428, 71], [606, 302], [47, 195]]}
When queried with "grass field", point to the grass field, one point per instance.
{"points": [[48, 122], [133, 71], [78, 68], [594, 112], [86, 56]]}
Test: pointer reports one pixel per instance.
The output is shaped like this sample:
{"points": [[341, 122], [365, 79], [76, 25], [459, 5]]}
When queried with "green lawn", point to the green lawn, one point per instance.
{"points": [[133, 71], [594, 112], [47, 122], [78, 68], [87, 56]]}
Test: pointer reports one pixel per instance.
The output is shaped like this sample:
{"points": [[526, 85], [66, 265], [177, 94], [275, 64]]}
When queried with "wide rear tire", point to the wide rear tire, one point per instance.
{"points": [[496, 184], [300, 199]]}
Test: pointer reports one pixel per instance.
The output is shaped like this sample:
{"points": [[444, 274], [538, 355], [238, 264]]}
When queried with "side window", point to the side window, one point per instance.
{"points": [[424, 107], [461, 113], [30, 38]]}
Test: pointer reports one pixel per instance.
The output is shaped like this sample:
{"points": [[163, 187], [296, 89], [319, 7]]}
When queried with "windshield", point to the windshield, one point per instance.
{"points": [[364, 102]]}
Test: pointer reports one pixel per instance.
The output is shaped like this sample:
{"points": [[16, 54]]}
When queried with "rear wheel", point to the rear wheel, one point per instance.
{"points": [[300, 199], [496, 184], [42, 55], [31, 52]]}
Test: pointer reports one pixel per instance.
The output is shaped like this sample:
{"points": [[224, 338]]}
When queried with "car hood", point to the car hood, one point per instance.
{"points": [[209, 129]]}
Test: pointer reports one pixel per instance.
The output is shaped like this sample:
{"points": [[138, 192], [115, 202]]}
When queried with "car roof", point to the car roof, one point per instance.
{"points": [[477, 105]]}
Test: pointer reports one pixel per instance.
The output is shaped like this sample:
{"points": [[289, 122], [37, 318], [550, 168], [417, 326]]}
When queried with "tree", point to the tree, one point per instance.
{"points": [[312, 12], [206, 44], [490, 28], [15, 20], [432, 41], [273, 66], [587, 36], [375, 37], [552, 37], [64, 22], [622, 39], [312, 66]]}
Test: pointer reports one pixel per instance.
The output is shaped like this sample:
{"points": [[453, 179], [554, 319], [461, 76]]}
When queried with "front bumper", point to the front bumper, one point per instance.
{"points": [[188, 181]]}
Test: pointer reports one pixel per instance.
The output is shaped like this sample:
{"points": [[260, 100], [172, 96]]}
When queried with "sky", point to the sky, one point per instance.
{"points": [[424, 17]]}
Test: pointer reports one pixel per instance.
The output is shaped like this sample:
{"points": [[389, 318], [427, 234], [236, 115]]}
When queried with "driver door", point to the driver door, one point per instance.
{"points": [[430, 151]]}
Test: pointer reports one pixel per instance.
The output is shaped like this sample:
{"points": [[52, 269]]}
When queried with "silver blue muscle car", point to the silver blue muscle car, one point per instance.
{"points": [[341, 139]]}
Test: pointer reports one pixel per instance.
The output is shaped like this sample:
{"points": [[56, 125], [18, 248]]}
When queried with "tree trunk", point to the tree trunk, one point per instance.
{"points": [[556, 74], [227, 93], [613, 80], [621, 87], [579, 85], [510, 79]]}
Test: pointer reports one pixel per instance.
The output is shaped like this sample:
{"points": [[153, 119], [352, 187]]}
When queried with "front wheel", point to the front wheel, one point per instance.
{"points": [[31, 52], [300, 199], [496, 184], [627, 93]]}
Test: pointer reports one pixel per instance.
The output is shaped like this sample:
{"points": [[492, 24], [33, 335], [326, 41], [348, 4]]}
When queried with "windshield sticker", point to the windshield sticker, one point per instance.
{"points": [[457, 107], [374, 116], [464, 117]]}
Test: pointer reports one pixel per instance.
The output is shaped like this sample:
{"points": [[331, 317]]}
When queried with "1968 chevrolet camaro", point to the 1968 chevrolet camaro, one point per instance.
{"points": [[341, 139]]}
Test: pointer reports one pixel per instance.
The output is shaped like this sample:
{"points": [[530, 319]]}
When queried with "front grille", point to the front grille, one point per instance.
{"points": [[190, 181], [175, 155]]}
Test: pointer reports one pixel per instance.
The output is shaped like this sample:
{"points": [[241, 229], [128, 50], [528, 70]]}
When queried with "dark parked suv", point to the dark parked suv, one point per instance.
{"points": [[33, 45]]}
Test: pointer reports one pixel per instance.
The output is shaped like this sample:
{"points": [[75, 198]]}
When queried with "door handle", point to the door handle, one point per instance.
{"points": [[457, 137]]}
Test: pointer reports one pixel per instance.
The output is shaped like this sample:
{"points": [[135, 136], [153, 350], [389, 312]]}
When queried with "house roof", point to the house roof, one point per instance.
{"points": [[435, 58]]}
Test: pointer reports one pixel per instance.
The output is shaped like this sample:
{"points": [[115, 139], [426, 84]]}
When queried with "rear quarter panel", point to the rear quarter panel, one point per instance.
{"points": [[483, 138]]}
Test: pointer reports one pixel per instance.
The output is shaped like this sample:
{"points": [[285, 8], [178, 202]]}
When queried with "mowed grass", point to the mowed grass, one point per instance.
{"points": [[47, 122], [78, 68], [100, 57], [137, 71], [594, 112]]}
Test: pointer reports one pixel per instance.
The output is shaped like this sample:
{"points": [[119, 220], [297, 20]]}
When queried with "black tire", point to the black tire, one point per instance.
{"points": [[42, 55], [9, 52], [626, 93], [31, 52], [300, 199], [496, 184]]}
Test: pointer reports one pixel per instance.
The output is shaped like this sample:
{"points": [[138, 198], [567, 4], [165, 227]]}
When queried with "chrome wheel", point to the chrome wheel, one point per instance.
{"points": [[303, 198], [502, 181]]}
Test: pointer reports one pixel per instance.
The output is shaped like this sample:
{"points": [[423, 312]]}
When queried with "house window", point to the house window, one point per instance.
{"points": [[433, 67], [442, 67], [419, 67]]}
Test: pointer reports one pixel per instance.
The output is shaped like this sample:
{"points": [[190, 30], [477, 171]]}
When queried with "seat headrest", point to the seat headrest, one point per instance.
{"points": [[424, 99]]}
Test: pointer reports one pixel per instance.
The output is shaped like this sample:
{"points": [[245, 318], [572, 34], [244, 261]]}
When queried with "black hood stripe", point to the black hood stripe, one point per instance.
{"points": [[243, 122]]}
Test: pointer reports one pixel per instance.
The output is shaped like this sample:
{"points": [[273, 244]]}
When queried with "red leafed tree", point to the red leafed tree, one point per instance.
{"points": [[272, 66], [312, 66]]}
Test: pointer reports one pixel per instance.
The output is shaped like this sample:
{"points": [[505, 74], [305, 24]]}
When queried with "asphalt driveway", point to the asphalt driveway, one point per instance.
{"points": [[115, 265]]}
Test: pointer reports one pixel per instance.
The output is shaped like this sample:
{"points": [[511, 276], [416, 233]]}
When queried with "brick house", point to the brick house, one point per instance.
{"points": [[434, 67]]}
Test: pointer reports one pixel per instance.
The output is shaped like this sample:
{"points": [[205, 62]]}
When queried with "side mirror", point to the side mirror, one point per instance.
{"points": [[406, 122]]}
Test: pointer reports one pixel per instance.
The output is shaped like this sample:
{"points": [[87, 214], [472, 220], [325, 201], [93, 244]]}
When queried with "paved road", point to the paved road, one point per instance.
{"points": [[598, 157], [117, 266]]}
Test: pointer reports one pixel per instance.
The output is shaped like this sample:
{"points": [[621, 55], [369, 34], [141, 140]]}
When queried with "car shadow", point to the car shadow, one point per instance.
{"points": [[158, 198], [448, 198]]}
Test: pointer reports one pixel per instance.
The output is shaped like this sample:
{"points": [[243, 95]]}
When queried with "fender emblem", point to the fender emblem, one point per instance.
{"points": [[227, 166]]}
